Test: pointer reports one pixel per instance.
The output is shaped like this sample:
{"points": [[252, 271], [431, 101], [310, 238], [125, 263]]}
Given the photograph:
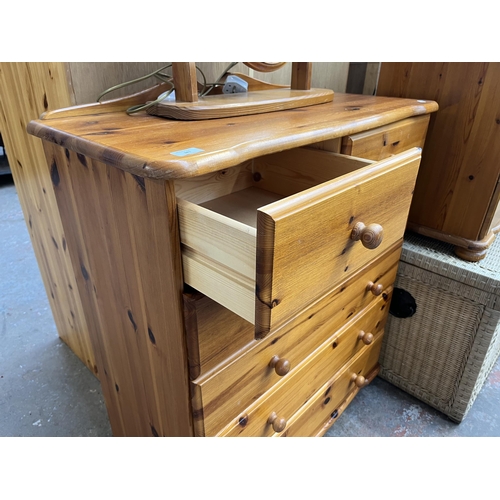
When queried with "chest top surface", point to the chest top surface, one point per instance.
{"points": [[162, 148]]}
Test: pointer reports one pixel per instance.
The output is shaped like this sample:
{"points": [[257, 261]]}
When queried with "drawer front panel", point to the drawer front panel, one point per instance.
{"points": [[287, 397], [332, 399], [306, 241], [222, 394], [392, 139]]}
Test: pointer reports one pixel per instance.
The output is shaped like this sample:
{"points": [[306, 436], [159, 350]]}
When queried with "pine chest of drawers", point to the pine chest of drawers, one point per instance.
{"points": [[235, 273]]}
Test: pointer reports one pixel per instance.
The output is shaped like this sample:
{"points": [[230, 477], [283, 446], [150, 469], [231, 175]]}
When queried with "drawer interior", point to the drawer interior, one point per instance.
{"points": [[280, 175], [218, 218]]}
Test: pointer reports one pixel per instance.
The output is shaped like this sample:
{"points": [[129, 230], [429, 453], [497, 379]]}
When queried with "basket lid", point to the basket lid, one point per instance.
{"points": [[438, 257]]}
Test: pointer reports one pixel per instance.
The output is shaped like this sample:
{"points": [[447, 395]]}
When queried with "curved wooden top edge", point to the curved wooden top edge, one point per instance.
{"points": [[279, 131], [111, 106]]}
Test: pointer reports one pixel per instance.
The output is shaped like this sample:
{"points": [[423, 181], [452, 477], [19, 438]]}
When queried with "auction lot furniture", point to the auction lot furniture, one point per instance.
{"points": [[457, 196], [235, 274], [444, 352]]}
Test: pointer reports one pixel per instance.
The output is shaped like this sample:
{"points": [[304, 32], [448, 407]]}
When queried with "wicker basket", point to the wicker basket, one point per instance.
{"points": [[444, 352]]}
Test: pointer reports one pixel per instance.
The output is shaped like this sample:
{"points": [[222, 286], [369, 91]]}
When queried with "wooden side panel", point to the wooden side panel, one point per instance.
{"points": [[290, 172], [460, 165], [304, 242], [227, 241], [26, 91], [209, 186], [123, 241]]}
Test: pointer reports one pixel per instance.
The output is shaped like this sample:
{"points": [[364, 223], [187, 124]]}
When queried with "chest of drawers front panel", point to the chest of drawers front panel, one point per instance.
{"points": [[297, 388], [227, 389], [271, 241], [324, 408]]}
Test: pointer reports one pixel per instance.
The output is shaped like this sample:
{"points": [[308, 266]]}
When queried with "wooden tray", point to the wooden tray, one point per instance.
{"points": [[248, 103]]}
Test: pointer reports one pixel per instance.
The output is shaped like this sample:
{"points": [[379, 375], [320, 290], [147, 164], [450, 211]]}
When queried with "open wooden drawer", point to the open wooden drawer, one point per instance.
{"points": [[269, 237]]}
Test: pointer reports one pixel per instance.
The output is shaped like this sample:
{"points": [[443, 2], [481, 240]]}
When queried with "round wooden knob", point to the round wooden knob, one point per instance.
{"points": [[367, 338], [281, 365], [278, 424], [358, 380], [375, 288], [371, 236]]}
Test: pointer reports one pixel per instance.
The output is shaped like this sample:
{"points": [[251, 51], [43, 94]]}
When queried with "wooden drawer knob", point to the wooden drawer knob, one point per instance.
{"points": [[278, 424], [371, 236], [367, 338], [375, 288], [358, 380], [281, 365]]}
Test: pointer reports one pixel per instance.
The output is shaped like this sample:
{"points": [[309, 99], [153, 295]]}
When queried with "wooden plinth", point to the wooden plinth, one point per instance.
{"points": [[248, 103]]}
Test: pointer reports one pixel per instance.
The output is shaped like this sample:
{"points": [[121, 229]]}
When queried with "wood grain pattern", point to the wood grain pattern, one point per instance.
{"points": [[332, 145], [460, 166], [385, 141], [213, 333], [127, 264], [113, 180], [326, 406], [26, 91], [240, 104], [222, 393], [301, 75], [224, 285], [219, 236], [185, 82], [120, 104], [223, 239], [242, 206], [303, 241], [126, 254], [112, 137], [220, 253], [299, 386], [220, 183], [299, 169]]}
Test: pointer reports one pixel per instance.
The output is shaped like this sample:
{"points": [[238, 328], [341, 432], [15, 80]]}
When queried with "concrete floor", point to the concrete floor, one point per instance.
{"points": [[46, 391]]}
